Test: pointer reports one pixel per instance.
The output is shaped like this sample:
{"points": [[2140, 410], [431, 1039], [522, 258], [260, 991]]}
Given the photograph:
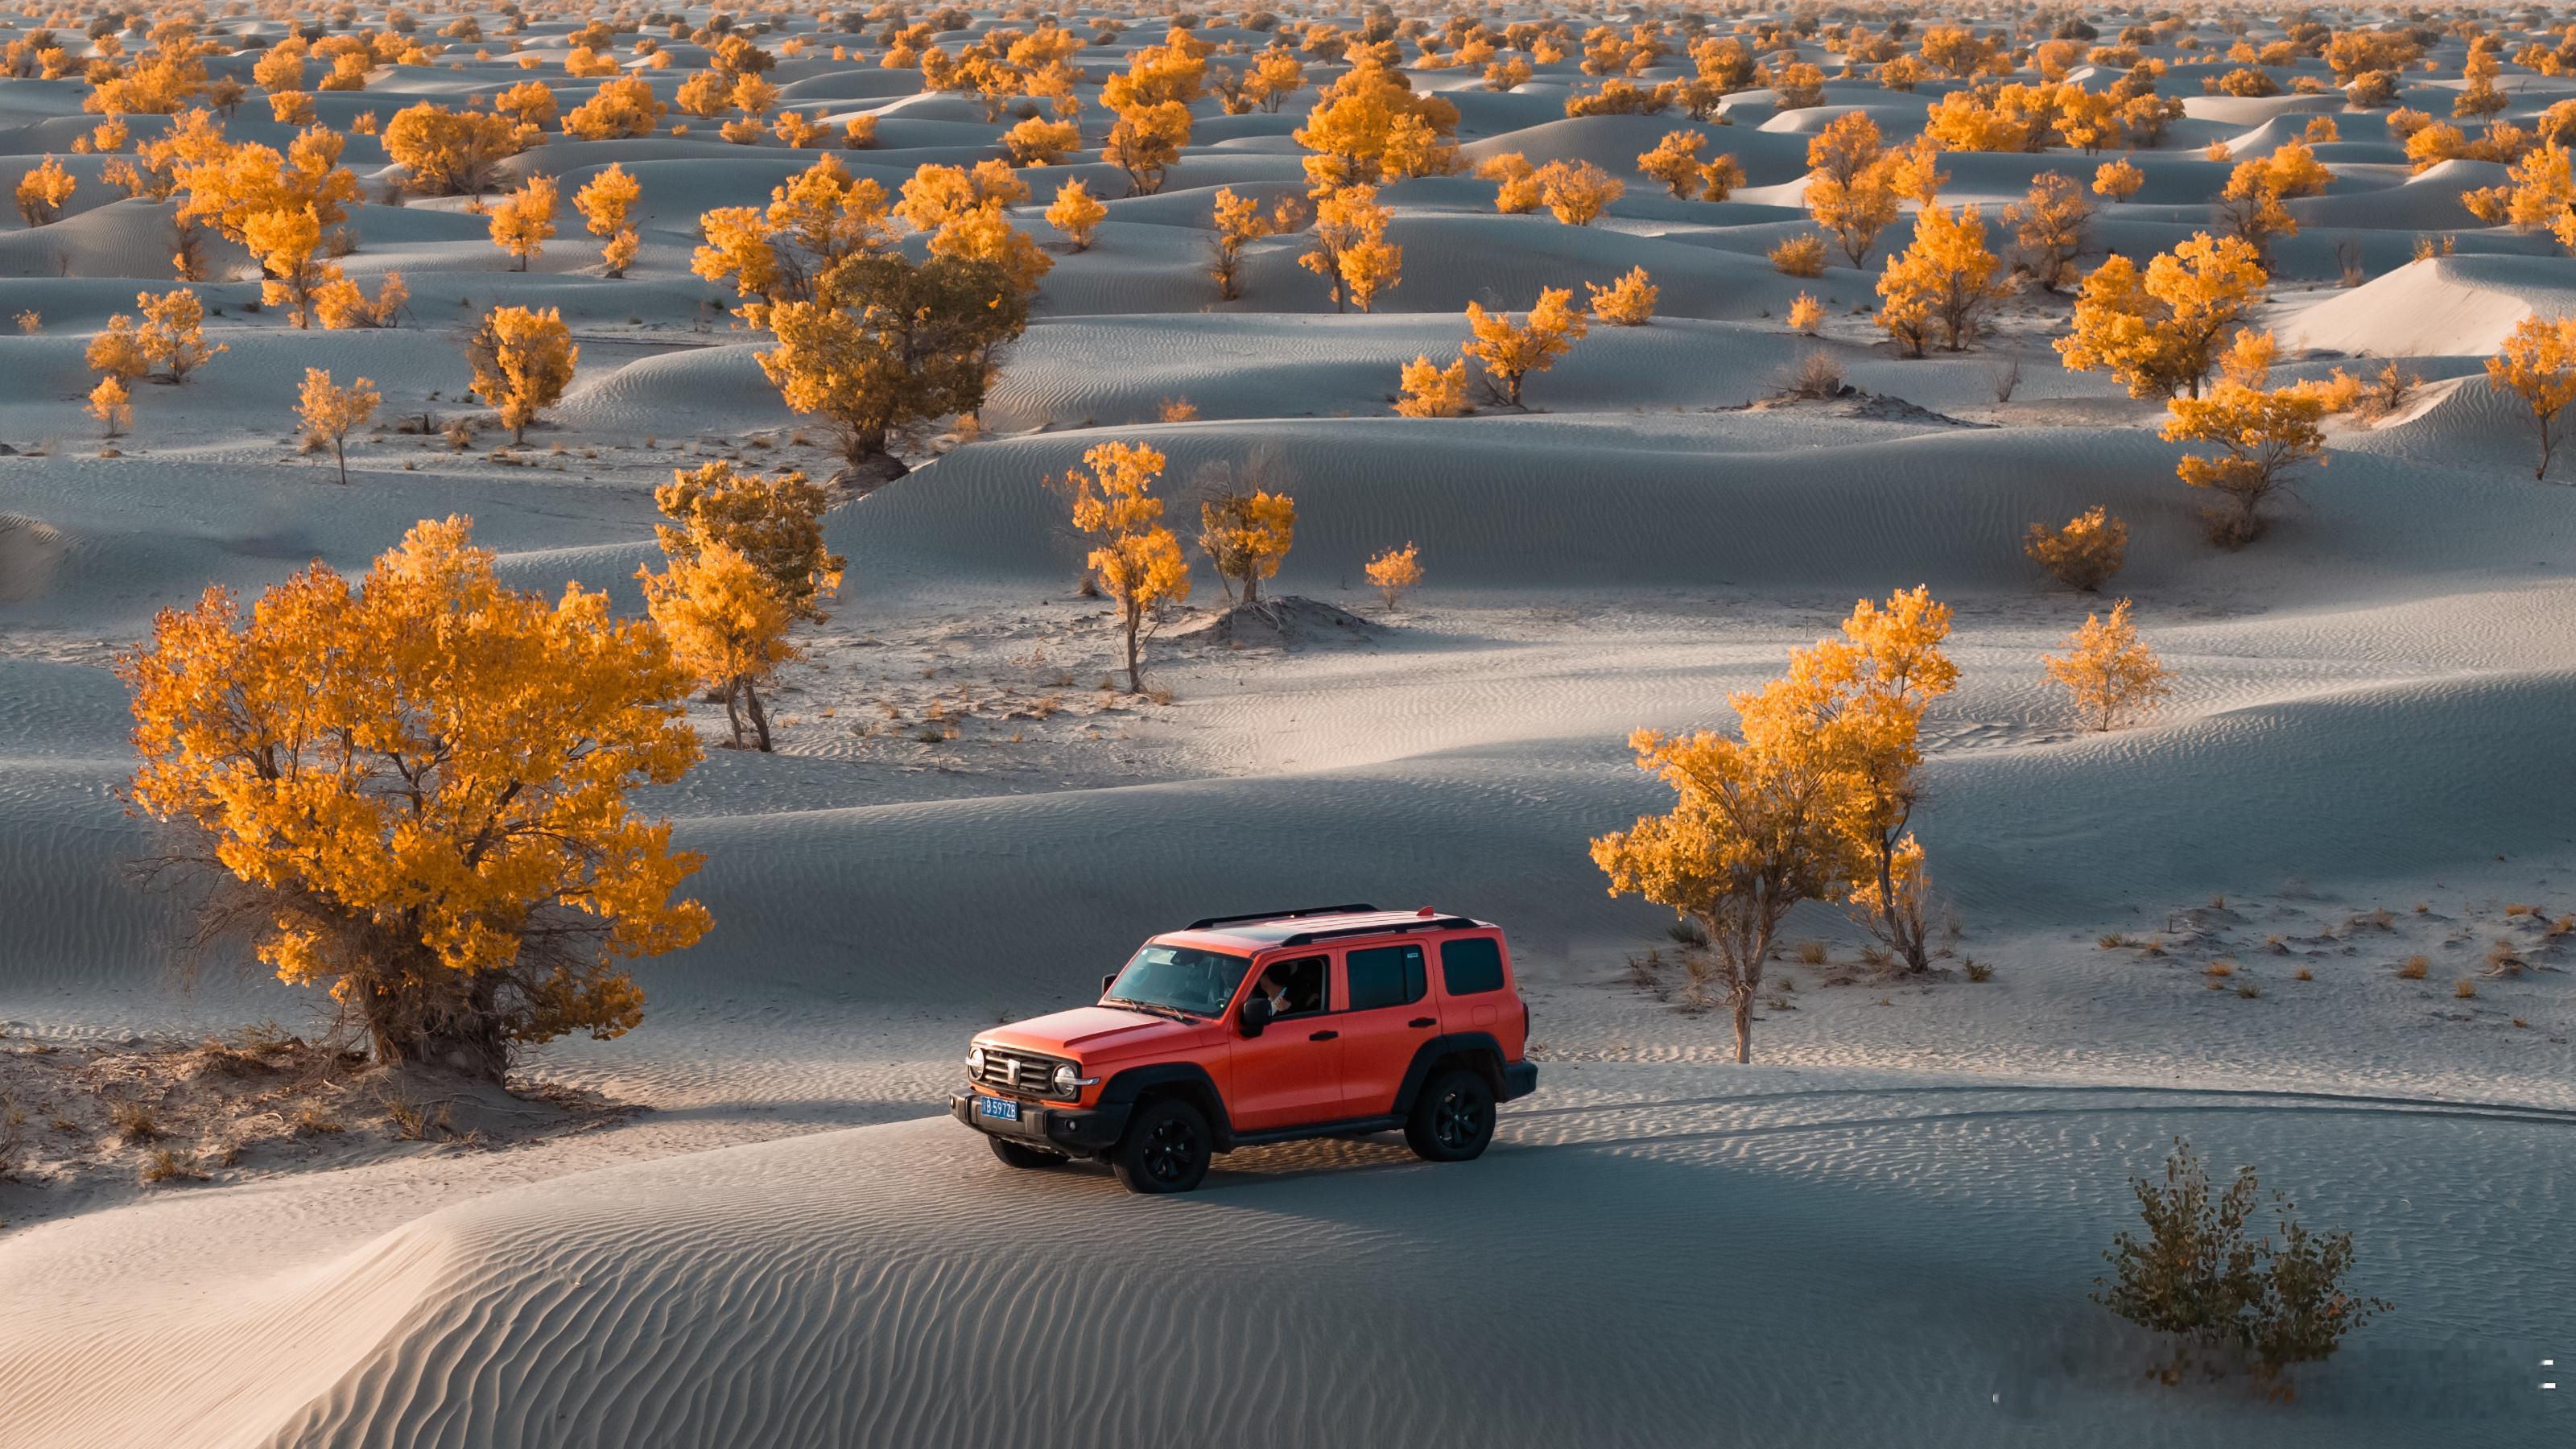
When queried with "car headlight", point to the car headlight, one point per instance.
{"points": [[1066, 1079], [975, 1061]]}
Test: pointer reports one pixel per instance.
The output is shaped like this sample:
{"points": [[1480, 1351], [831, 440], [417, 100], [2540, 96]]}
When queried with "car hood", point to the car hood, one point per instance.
{"points": [[1092, 1032]]}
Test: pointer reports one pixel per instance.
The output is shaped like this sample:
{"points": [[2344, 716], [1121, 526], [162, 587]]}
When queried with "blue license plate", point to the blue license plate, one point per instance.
{"points": [[999, 1108]]}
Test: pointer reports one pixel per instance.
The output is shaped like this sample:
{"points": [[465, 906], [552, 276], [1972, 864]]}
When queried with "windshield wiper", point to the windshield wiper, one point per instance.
{"points": [[1150, 1008]]}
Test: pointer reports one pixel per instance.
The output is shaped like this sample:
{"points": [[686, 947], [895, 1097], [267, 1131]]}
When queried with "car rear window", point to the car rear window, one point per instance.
{"points": [[1385, 976], [1470, 965]]}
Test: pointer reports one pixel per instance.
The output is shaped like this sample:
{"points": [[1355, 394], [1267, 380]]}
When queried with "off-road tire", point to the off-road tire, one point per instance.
{"points": [[1030, 1158], [1452, 1119], [1166, 1148]]}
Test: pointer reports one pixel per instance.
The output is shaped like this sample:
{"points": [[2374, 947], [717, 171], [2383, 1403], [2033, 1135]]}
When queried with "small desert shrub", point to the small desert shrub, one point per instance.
{"points": [[414, 1121], [133, 1121], [1688, 932], [2222, 968], [2248, 990], [1977, 970], [2503, 959], [1811, 953], [1176, 410], [316, 1120], [2466, 990], [168, 1166], [1646, 972], [2304, 974], [2415, 968], [1800, 256], [2199, 1278], [2085, 553], [2111, 940], [1813, 377]]}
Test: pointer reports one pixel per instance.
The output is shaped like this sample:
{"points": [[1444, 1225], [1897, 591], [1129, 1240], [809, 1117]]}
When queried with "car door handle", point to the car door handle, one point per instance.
{"points": [[1323, 1036], [1424, 1021]]}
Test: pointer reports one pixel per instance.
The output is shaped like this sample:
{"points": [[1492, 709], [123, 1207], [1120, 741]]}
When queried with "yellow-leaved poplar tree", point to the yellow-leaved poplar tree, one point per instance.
{"points": [[1239, 221], [1508, 351], [1577, 192], [1395, 571], [1851, 183], [1628, 302], [2537, 364], [1515, 181], [42, 192], [328, 412], [726, 626], [774, 520], [522, 361], [1137, 561], [607, 203], [2109, 671], [1076, 213], [1943, 284], [1754, 830], [2085, 553], [2160, 330], [417, 790], [1883, 674], [1433, 391], [2261, 434], [1350, 250], [2049, 224], [1245, 532], [173, 333], [525, 220], [113, 405]]}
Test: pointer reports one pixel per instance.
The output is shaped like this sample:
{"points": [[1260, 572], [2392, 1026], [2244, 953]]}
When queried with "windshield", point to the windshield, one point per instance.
{"points": [[1180, 978]]}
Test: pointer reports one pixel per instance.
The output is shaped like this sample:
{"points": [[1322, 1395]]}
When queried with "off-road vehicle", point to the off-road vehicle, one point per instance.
{"points": [[1330, 1021]]}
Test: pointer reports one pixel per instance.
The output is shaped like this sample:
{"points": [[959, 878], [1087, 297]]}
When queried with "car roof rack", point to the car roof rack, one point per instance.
{"points": [[1417, 923], [1353, 909]]}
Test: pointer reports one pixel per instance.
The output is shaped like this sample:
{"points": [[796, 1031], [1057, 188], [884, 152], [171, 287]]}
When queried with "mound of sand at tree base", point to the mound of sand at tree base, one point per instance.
{"points": [[1589, 1281]]}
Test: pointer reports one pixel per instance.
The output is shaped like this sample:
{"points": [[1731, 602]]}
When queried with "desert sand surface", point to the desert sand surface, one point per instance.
{"points": [[756, 1225]]}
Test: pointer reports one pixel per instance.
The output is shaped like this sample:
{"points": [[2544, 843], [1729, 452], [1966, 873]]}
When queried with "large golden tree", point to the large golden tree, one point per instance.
{"points": [[417, 787]]}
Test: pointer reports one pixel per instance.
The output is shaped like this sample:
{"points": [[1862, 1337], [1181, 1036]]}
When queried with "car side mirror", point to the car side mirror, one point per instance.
{"points": [[1108, 981], [1255, 1015]]}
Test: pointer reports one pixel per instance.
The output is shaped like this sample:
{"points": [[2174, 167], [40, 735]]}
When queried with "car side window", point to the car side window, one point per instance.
{"points": [[1471, 965], [1301, 986], [1384, 976]]}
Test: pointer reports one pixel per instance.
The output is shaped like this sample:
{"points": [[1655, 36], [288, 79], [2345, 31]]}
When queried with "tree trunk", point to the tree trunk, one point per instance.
{"points": [[432, 1017], [1743, 1028], [1252, 584], [1135, 651], [759, 716], [733, 712], [340, 455]]}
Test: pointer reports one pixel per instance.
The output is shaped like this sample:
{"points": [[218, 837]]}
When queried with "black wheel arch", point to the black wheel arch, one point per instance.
{"points": [[1186, 1080], [1478, 1051]]}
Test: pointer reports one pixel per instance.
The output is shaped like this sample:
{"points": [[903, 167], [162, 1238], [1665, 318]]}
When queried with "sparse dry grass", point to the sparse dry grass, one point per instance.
{"points": [[169, 1166], [2415, 968]]}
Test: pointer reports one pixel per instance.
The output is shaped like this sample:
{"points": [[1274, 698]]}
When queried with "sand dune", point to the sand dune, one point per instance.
{"points": [[752, 1294], [1881, 1233]]}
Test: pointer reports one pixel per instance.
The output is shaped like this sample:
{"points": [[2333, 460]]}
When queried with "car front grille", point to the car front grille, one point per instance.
{"points": [[1019, 1072]]}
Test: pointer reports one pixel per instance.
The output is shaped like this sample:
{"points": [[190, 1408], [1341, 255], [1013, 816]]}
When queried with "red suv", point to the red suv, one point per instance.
{"points": [[1325, 1022]]}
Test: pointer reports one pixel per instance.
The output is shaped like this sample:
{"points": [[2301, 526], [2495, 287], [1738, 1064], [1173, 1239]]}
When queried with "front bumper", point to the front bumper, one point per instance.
{"points": [[1070, 1129], [1519, 1079]]}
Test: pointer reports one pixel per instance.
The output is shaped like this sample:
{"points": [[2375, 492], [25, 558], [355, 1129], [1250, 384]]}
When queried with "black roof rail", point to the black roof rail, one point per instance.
{"points": [[1418, 923], [1353, 908]]}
